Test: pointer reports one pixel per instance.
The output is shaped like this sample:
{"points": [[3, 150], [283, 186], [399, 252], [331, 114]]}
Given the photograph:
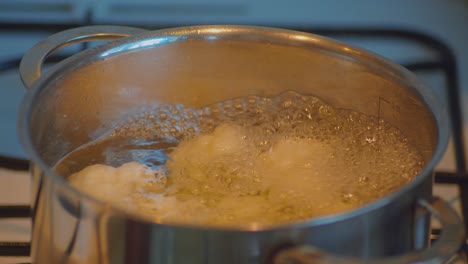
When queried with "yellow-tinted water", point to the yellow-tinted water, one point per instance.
{"points": [[246, 162]]}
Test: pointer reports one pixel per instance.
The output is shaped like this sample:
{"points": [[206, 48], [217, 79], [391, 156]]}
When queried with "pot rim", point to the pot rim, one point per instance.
{"points": [[166, 37]]}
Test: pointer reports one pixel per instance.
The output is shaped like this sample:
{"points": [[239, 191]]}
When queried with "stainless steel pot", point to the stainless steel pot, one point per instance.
{"points": [[85, 95]]}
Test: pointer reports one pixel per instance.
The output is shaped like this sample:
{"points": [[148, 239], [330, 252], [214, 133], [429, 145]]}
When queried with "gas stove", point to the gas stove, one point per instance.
{"points": [[451, 176]]}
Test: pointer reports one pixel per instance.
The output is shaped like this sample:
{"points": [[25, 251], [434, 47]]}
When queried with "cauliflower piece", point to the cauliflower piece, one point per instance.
{"points": [[288, 154], [225, 139], [296, 166], [97, 180], [193, 157], [116, 185]]}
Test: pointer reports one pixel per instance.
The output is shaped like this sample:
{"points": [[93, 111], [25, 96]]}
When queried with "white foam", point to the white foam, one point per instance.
{"points": [[255, 161]]}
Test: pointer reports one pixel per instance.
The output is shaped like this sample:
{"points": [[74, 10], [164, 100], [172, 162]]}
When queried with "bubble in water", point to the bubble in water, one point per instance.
{"points": [[349, 198]]}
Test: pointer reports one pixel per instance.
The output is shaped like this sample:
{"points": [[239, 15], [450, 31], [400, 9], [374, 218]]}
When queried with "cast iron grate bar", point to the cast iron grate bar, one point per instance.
{"points": [[451, 177], [14, 163], [15, 211], [15, 249]]}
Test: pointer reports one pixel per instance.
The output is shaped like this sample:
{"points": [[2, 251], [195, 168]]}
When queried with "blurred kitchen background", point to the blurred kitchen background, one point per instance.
{"points": [[25, 22], [430, 37]]}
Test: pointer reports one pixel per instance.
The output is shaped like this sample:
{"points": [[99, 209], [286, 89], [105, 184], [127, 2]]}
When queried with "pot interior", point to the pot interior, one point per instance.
{"points": [[89, 94]]}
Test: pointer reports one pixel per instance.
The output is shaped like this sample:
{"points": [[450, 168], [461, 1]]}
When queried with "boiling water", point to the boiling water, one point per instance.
{"points": [[250, 161]]}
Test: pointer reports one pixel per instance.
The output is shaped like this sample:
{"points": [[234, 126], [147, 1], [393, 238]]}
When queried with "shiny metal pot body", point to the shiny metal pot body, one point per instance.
{"points": [[86, 95]]}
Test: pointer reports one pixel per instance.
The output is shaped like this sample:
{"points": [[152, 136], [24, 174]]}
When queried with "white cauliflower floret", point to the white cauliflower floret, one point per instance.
{"points": [[296, 166], [111, 184], [288, 154], [225, 139], [192, 157]]}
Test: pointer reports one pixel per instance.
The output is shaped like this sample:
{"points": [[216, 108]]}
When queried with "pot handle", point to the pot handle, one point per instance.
{"points": [[30, 66], [449, 242]]}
